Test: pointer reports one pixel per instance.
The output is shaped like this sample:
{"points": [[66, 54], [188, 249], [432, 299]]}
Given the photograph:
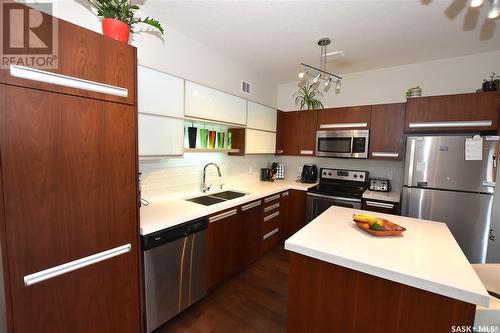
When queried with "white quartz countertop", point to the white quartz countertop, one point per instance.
{"points": [[392, 196], [426, 256], [166, 213]]}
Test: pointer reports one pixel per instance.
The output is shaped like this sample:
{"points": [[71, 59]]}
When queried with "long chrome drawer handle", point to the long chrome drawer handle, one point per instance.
{"points": [[379, 204], [284, 194], [222, 216], [50, 273], [344, 125], [251, 205], [268, 208], [479, 123], [306, 152], [272, 216], [66, 81], [269, 234], [384, 154], [274, 197]]}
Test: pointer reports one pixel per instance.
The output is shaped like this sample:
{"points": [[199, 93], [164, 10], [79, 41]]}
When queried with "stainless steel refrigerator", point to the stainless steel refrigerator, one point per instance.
{"points": [[451, 179]]}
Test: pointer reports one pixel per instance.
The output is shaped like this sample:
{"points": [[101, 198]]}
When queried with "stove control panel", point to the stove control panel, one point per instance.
{"points": [[342, 174]]}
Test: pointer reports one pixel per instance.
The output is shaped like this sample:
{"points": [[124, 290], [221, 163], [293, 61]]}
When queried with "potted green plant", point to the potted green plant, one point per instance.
{"points": [[306, 96], [492, 83], [118, 18], [414, 92]]}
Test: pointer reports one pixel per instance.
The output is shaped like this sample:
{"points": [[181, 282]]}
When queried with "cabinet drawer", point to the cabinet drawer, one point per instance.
{"points": [[89, 65], [272, 198], [386, 207], [270, 222], [270, 240]]}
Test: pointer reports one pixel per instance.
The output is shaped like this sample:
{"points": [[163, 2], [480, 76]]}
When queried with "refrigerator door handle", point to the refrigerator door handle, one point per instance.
{"points": [[410, 162]]}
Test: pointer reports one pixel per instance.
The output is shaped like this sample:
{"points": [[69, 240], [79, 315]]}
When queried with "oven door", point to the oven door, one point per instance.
{"points": [[318, 203]]}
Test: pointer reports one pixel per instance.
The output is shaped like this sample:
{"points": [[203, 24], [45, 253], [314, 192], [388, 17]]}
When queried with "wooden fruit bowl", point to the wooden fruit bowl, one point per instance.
{"points": [[397, 229]]}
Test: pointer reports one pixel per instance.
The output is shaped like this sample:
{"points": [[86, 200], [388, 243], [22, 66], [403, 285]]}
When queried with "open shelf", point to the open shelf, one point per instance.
{"points": [[210, 150]]}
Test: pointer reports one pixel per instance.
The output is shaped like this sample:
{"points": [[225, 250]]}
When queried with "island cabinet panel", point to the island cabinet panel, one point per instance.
{"points": [[82, 55], [223, 246], [324, 297], [307, 132], [251, 217], [461, 112], [387, 131], [354, 117], [287, 138]]}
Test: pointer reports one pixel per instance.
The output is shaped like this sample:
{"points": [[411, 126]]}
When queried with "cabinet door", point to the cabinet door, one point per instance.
{"points": [[297, 217], [224, 230], [207, 103], [70, 191], [89, 65], [251, 217], [288, 127], [354, 117], [307, 132], [261, 117], [462, 112], [286, 213], [387, 131], [259, 142], [159, 93], [160, 136]]}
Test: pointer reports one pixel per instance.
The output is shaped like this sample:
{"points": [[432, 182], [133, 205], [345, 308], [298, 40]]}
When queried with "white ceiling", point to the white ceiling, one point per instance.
{"points": [[275, 36]]}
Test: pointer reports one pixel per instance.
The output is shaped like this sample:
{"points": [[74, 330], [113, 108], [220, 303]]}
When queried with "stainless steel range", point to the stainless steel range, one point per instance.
{"points": [[337, 187]]}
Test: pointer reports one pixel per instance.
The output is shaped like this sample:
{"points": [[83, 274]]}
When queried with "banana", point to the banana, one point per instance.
{"points": [[366, 218]]}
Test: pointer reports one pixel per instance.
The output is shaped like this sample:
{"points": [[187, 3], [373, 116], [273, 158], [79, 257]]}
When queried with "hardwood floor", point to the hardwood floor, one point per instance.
{"points": [[253, 301]]}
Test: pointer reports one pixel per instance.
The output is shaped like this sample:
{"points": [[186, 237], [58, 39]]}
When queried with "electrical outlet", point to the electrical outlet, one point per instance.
{"points": [[390, 174], [251, 170], [299, 169]]}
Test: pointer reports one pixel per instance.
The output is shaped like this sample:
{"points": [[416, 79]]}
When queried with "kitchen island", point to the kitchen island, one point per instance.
{"points": [[345, 280]]}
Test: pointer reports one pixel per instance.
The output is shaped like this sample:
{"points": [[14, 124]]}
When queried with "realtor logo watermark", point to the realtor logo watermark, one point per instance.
{"points": [[28, 38]]}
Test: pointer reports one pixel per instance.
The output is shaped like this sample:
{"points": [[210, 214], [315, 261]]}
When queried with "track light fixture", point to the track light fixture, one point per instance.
{"points": [[494, 11], [320, 74]]}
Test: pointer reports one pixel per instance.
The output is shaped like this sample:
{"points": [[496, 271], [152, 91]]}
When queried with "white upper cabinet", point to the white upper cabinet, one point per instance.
{"points": [[206, 103], [259, 142], [261, 117], [159, 93], [160, 136]]}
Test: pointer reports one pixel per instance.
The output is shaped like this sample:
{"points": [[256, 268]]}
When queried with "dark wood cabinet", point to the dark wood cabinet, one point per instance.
{"points": [[380, 206], [287, 139], [69, 184], [307, 132], [271, 217], [387, 131], [251, 217], [353, 117], [68, 191], [461, 112], [223, 246], [84, 54], [296, 216]]}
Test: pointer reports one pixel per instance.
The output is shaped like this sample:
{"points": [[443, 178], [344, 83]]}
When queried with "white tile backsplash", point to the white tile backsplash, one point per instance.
{"points": [[184, 174], [376, 168]]}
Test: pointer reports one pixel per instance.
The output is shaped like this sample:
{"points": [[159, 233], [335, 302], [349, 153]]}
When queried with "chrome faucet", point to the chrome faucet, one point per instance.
{"points": [[204, 187]]}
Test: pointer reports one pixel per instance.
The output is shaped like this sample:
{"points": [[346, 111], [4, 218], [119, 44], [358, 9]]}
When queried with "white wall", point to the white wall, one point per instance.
{"points": [[388, 85], [180, 55]]}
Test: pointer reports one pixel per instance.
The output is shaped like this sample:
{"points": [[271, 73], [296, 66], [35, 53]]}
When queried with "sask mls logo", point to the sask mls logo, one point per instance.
{"points": [[28, 37]]}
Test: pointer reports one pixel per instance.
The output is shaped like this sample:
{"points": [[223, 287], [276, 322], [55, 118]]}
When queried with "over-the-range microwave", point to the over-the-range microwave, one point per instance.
{"points": [[345, 143]]}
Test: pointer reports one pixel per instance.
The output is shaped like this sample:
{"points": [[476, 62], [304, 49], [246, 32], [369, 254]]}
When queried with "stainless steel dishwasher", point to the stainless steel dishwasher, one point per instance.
{"points": [[175, 265]]}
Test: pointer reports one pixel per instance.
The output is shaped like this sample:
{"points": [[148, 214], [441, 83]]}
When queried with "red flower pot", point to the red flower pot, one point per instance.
{"points": [[115, 29]]}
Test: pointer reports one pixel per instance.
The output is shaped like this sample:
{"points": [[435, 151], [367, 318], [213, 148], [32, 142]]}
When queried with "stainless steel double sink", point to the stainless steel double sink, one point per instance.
{"points": [[212, 199]]}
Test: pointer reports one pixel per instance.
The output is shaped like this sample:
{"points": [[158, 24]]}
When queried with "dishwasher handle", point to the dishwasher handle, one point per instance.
{"points": [[164, 236]]}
